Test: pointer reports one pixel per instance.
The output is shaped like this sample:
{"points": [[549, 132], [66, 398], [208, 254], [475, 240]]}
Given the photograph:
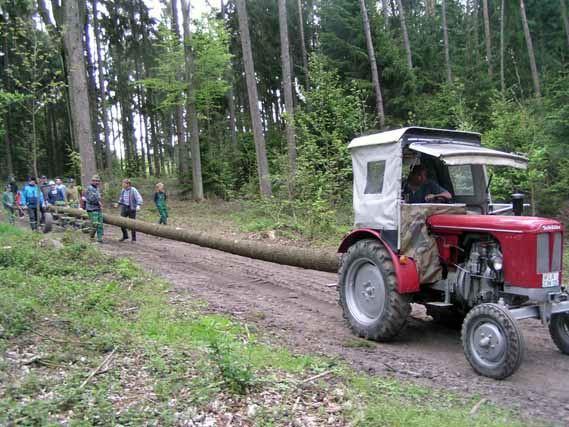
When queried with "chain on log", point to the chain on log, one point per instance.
{"points": [[298, 257]]}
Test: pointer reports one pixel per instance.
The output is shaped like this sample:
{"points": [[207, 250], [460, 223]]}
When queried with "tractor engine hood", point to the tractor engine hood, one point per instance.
{"points": [[493, 223], [453, 153]]}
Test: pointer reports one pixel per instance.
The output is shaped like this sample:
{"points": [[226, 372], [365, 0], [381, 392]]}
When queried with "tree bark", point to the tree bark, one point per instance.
{"points": [[405, 34], [183, 160], [502, 46], [373, 65], [102, 91], [7, 138], [260, 148], [303, 52], [192, 114], [287, 87], [531, 54], [487, 37], [565, 19], [446, 43], [73, 43], [299, 257], [385, 13], [430, 7]]}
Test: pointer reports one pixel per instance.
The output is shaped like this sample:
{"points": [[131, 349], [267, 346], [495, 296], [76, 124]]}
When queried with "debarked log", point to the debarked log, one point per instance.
{"points": [[305, 258]]}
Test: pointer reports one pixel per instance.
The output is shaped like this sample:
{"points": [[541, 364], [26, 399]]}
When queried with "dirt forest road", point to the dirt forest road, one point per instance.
{"points": [[299, 309]]}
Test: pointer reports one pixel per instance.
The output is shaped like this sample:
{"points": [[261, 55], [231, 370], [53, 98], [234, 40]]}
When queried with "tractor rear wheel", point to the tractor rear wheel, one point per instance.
{"points": [[559, 330], [492, 341], [368, 292]]}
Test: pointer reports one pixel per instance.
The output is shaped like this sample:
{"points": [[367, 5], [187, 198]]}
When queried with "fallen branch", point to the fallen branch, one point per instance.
{"points": [[298, 257], [315, 377], [96, 370], [476, 407]]}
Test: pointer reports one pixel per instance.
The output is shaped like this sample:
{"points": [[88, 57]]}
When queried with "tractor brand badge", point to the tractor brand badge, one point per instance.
{"points": [[551, 227]]}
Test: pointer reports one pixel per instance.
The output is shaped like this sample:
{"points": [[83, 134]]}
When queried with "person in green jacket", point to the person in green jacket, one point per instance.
{"points": [[9, 204], [160, 198]]}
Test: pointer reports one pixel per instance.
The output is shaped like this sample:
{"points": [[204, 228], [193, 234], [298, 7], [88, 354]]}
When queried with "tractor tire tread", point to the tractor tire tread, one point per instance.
{"points": [[559, 335], [397, 306], [516, 347]]}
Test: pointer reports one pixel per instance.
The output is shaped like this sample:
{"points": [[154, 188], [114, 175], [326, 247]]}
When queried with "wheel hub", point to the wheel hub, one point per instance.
{"points": [[368, 291], [365, 291], [489, 343]]}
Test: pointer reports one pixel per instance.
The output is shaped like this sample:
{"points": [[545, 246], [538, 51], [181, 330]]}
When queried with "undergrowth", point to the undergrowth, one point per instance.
{"points": [[91, 340]]}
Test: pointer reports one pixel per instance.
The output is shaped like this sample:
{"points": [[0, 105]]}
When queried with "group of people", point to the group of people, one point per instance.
{"points": [[36, 198], [130, 201]]}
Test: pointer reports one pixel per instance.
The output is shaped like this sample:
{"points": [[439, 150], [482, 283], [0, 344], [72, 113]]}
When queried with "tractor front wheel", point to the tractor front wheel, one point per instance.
{"points": [[368, 292], [559, 330], [492, 341]]}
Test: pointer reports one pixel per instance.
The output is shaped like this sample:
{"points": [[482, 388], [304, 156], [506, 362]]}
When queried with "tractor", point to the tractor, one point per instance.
{"points": [[459, 254]]}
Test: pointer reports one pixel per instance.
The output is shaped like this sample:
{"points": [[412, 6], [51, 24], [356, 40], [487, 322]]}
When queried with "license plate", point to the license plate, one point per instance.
{"points": [[550, 280]]}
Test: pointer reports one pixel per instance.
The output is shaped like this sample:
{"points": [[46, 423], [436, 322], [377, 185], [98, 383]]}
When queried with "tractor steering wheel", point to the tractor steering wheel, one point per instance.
{"points": [[439, 199]]}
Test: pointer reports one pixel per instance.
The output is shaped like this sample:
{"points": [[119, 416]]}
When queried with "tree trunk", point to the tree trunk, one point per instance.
{"points": [[7, 139], [192, 114], [303, 52], [73, 42], [287, 87], [531, 54], [260, 148], [232, 119], [385, 12], [430, 7], [299, 257], [445, 38], [183, 160], [102, 92], [92, 91], [502, 46], [373, 65], [487, 37], [405, 34], [565, 19]]}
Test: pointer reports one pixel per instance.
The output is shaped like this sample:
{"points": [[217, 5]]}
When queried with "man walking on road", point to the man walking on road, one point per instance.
{"points": [[93, 206], [130, 202]]}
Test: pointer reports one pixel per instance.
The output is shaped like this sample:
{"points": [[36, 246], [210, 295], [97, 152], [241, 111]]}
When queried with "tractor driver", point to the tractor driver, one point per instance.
{"points": [[420, 189]]}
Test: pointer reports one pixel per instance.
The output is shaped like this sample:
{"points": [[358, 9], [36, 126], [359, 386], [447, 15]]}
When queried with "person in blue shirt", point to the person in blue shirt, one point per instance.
{"points": [[420, 189], [32, 200]]}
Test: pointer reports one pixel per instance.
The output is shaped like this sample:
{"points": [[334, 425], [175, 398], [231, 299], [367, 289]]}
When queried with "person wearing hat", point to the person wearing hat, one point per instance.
{"points": [[13, 185], [130, 202], [32, 200], [94, 206], [55, 196], [8, 202]]}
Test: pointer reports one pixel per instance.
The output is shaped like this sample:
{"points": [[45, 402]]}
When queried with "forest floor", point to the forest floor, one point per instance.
{"points": [[422, 378]]}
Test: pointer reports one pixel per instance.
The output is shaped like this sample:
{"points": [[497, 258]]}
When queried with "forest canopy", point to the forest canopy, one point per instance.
{"points": [[262, 96]]}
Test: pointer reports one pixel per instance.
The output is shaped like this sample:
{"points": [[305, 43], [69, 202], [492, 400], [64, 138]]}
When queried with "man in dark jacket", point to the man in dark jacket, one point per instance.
{"points": [[93, 206]]}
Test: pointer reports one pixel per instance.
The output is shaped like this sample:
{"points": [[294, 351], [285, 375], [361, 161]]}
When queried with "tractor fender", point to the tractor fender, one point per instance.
{"points": [[405, 268]]}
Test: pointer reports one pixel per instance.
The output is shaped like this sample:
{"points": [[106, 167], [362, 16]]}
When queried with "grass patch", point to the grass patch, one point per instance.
{"points": [[65, 312]]}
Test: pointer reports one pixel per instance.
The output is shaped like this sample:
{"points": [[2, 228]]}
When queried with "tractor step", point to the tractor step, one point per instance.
{"points": [[438, 304]]}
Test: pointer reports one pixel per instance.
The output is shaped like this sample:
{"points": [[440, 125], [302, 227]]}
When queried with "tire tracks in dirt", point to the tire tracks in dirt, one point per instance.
{"points": [[299, 309]]}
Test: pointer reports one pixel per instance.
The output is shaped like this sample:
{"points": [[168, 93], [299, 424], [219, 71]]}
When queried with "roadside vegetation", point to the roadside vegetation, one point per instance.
{"points": [[86, 339]]}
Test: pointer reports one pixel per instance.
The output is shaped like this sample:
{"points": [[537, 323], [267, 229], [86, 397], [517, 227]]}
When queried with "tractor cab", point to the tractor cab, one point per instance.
{"points": [[427, 231]]}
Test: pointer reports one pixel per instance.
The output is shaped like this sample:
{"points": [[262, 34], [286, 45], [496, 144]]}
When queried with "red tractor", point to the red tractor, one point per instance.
{"points": [[427, 232]]}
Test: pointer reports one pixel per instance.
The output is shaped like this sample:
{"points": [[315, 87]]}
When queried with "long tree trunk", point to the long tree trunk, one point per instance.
{"points": [[487, 37], [7, 135], [299, 257], [73, 42], [183, 160], [303, 44], [502, 46], [565, 19], [430, 7], [260, 148], [385, 13], [287, 87], [373, 65], [531, 54], [405, 34], [192, 114], [102, 105], [445, 39]]}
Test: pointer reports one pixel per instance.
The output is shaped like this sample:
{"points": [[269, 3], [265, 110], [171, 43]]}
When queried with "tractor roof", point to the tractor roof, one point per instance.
{"points": [[415, 133]]}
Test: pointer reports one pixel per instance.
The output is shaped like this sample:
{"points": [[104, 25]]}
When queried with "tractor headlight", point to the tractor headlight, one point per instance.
{"points": [[497, 262]]}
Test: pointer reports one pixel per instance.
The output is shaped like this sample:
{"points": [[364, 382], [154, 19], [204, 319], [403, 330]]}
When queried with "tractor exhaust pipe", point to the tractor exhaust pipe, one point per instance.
{"points": [[518, 204]]}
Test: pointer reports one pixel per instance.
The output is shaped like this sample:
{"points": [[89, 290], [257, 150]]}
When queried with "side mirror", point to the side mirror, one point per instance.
{"points": [[518, 204]]}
